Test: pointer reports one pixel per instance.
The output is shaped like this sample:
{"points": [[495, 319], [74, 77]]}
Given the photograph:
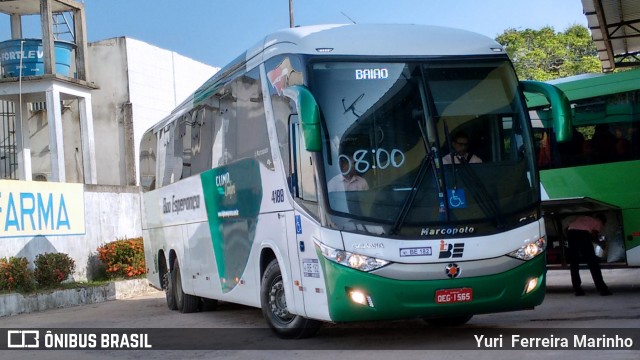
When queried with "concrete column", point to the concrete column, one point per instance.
{"points": [[48, 46], [129, 145], [16, 26], [23, 146], [56, 143], [82, 67], [88, 141]]}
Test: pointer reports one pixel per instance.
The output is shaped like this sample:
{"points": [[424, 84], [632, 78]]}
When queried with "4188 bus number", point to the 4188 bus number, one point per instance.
{"points": [[277, 196]]}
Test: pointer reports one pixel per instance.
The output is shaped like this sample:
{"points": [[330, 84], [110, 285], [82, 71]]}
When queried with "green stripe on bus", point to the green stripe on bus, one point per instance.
{"points": [[611, 183], [232, 195]]}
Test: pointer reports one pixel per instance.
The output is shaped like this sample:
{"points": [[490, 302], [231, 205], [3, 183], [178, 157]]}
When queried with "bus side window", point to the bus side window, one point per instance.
{"points": [[229, 125], [177, 162], [302, 181], [184, 145], [167, 162], [282, 72], [202, 140], [250, 126], [292, 176], [148, 155]]}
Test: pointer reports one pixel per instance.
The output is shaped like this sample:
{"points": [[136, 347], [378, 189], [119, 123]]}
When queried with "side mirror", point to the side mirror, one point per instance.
{"points": [[560, 108], [309, 115]]}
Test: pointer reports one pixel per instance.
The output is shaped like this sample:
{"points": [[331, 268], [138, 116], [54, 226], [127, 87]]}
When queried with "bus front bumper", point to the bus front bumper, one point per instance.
{"points": [[386, 299]]}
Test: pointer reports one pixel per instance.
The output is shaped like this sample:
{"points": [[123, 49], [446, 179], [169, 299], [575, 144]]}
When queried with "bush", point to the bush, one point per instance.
{"points": [[16, 275], [53, 268], [123, 258]]}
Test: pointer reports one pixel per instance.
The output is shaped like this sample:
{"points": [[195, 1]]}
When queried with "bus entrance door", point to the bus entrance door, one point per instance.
{"points": [[312, 286]]}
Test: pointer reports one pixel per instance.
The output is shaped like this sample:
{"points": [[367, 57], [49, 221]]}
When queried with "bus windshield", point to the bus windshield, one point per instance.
{"points": [[390, 125]]}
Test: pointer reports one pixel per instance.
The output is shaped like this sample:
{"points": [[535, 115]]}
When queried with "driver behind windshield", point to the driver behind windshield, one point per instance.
{"points": [[460, 153], [347, 180]]}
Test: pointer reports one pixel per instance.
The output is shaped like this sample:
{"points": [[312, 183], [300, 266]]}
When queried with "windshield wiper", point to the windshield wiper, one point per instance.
{"points": [[352, 107], [422, 171], [481, 194], [474, 184]]}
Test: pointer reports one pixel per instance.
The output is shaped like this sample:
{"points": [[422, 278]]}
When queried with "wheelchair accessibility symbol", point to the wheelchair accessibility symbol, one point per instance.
{"points": [[457, 198]]}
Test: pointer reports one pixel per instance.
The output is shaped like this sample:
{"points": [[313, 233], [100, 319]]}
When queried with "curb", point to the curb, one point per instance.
{"points": [[14, 304]]}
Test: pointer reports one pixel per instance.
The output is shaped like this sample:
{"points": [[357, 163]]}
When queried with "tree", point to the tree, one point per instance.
{"points": [[544, 54]]}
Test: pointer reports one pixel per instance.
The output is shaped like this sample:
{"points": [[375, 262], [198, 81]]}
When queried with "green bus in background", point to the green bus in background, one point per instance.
{"points": [[598, 169]]}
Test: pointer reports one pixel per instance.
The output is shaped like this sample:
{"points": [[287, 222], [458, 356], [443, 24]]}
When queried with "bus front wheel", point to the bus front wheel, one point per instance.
{"points": [[274, 308]]}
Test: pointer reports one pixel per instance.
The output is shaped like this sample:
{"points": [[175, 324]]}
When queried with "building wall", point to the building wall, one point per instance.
{"points": [[159, 80], [108, 70], [139, 84], [39, 143], [110, 213]]}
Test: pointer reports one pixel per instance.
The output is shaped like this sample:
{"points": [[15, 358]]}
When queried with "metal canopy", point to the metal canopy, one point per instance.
{"points": [[32, 7], [615, 28]]}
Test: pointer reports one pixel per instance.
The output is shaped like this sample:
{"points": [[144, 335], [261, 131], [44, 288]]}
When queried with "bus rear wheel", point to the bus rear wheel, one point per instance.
{"points": [[184, 302], [169, 293], [274, 308], [208, 304]]}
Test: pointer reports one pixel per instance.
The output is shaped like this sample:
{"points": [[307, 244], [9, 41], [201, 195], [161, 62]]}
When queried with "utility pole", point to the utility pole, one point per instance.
{"points": [[291, 14]]}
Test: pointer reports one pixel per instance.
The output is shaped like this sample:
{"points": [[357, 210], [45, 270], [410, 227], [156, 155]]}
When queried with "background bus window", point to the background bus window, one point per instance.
{"points": [[605, 130]]}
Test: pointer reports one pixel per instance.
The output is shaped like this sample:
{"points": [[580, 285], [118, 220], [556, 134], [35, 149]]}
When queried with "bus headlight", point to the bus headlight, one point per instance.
{"points": [[354, 261], [531, 250]]}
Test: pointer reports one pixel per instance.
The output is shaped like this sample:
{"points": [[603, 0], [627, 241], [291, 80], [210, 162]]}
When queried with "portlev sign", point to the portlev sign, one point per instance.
{"points": [[29, 208]]}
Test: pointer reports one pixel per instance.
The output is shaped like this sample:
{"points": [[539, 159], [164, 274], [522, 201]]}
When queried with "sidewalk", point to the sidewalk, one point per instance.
{"points": [[14, 303], [560, 280]]}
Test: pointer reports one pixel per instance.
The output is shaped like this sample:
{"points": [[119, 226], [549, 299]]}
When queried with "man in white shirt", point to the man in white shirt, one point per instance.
{"points": [[347, 180], [460, 154], [581, 233]]}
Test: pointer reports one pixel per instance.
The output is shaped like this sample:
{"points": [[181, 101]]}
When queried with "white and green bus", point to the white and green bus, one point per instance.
{"points": [[595, 171], [306, 178]]}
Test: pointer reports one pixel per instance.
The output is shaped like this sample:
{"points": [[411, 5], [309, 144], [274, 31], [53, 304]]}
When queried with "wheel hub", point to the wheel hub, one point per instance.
{"points": [[278, 302]]}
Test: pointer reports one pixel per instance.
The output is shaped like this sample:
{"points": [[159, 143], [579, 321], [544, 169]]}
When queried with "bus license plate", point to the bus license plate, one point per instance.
{"points": [[447, 296]]}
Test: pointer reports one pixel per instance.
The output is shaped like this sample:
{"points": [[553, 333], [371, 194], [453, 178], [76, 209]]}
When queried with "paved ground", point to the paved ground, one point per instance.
{"points": [[243, 328]]}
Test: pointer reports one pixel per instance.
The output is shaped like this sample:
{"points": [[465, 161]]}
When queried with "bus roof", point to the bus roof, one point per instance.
{"points": [[591, 85], [359, 39], [374, 39], [351, 39]]}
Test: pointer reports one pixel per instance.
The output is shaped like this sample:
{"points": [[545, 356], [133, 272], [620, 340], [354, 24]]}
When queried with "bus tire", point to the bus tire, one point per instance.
{"points": [[274, 308], [184, 302], [448, 321], [168, 290], [208, 304]]}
